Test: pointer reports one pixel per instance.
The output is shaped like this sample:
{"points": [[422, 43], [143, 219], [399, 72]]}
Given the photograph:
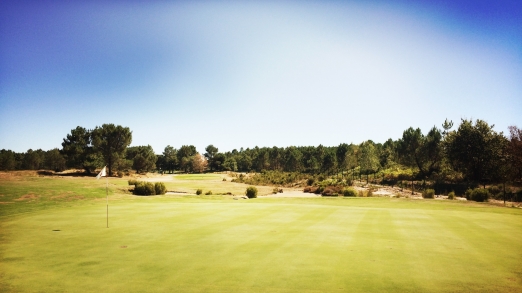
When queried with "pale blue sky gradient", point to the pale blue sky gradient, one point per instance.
{"points": [[263, 73]]}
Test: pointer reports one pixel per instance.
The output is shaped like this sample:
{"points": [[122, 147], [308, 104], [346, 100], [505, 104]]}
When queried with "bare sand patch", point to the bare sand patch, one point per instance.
{"points": [[292, 193]]}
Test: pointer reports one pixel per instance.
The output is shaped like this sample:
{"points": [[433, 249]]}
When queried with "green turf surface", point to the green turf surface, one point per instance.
{"points": [[192, 244]]}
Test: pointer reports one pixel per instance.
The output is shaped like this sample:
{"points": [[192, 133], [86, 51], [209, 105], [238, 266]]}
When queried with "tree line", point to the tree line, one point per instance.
{"points": [[473, 153]]}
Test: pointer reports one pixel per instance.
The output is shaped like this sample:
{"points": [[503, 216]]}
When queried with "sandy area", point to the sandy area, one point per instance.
{"points": [[293, 193]]}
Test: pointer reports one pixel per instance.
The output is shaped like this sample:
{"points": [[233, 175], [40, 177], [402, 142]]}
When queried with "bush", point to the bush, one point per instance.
{"points": [[208, 192], [361, 193], [275, 190], [480, 195], [428, 193], [133, 181], [199, 192], [451, 195], [349, 192], [144, 188], [319, 190], [160, 188], [468, 193], [329, 191], [311, 189], [251, 192], [310, 181], [495, 190], [369, 193]]}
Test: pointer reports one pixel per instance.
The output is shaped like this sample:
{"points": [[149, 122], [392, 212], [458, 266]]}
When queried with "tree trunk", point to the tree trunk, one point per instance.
{"points": [[504, 184]]}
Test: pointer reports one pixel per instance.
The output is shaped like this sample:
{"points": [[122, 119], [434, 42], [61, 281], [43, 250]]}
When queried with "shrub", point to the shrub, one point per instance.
{"points": [[251, 192], [369, 193], [133, 181], [275, 190], [310, 181], [349, 182], [428, 193], [144, 188], [361, 193], [495, 190], [468, 193], [160, 188], [349, 192], [199, 191], [451, 195], [480, 195], [329, 191], [208, 192], [224, 179], [319, 190]]}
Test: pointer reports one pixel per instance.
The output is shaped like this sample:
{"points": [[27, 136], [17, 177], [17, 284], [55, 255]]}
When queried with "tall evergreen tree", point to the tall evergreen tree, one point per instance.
{"points": [[111, 141]]}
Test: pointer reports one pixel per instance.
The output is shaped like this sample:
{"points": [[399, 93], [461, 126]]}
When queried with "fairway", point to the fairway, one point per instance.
{"points": [[187, 244]]}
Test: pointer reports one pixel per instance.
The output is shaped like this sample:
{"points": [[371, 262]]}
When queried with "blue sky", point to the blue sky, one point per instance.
{"points": [[267, 73]]}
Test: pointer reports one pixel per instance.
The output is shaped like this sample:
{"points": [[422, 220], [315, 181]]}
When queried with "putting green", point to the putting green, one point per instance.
{"points": [[265, 245]]}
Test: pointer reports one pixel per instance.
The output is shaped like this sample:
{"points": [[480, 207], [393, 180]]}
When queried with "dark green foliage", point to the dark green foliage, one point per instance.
{"points": [[251, 192], [349, 192], [78, 151], [451, 195], [133, 181], [7, 160], [199, 192], [422, 152], [168, 161], [428, 193], [144, 188], [185, 154], [142, 157], [310, 181], [53, 160], [477, 151], [369, 161], [111, 141], [33, 159], [160, 188], [468, 193], [515, 152], [495, 190], [480, 194]]}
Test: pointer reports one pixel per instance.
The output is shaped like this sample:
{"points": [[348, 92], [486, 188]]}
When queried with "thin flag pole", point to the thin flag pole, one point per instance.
{"points": [[107, 192], [102, 174]]}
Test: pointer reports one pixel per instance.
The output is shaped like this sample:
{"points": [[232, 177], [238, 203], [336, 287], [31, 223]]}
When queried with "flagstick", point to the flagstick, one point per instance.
{"points": [[107, 192]]}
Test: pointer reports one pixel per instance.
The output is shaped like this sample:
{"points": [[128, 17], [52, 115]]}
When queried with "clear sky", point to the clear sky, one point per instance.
{"points": [[245, 73]]}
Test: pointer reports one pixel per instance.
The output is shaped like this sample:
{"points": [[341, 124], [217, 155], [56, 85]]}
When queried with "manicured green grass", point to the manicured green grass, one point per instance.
{"points": [[192, 244]]}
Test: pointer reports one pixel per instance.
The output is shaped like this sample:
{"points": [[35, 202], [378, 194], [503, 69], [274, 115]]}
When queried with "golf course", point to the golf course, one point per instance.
{"points": [[54, 238]]}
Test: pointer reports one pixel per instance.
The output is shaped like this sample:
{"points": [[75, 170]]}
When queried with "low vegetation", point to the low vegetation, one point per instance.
{"points": [[251, 192], [147, 188], [49, 224]]}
